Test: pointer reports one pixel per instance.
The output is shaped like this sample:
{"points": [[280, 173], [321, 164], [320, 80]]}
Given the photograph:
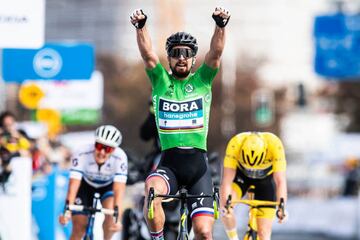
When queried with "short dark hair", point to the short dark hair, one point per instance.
{"points": [[5, 114]]}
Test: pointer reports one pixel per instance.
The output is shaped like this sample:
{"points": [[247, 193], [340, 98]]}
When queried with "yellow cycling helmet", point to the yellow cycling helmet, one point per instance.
{"points": [[253, 150]]}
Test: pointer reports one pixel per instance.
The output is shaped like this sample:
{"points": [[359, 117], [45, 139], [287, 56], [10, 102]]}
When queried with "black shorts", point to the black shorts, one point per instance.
{"points": [[187, 168], [86, 193], [264, 188]]}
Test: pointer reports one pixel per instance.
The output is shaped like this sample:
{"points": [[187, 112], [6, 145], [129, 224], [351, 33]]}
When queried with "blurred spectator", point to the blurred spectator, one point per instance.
{"points": [[54, 153], [352, 179], [301, 98], [148, 131], [11, 138], [5, 168]]}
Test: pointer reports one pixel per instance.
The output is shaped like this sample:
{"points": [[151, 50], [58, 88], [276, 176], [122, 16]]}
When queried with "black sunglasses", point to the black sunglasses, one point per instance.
{"points": [[185, 52]]}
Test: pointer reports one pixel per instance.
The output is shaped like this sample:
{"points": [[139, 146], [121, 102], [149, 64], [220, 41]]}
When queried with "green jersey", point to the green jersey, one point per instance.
{"points": [[182, 107]]}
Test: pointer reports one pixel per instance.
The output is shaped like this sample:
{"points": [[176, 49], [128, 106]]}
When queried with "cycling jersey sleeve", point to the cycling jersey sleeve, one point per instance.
{"points": [[232, 154], [156, 74], [278, 153], [77, 167], [121, 167], [207, 74]]}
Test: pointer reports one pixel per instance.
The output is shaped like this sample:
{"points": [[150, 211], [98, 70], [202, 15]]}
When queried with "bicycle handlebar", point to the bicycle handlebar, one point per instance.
{"points": [[82, 208], [181, 196], [257, 204]]}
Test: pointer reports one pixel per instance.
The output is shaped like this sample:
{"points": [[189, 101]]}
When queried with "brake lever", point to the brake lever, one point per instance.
{"points": [[281, 208], [116, 213], [228, 203]]}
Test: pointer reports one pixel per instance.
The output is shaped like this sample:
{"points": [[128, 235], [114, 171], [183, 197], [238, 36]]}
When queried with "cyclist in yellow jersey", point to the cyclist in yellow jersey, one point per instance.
{"points": [[254, 159]]}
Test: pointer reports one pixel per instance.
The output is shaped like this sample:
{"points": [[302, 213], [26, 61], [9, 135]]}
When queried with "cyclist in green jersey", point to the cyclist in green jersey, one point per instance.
{"points": [[181, 102]]}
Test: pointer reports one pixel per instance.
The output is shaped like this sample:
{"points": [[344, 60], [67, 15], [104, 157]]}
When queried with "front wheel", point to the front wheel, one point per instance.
{"points": [[88, 238], [183, 236]]}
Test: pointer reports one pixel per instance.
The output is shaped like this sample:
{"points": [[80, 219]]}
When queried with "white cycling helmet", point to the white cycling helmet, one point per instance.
{"points": [[108, 135]]}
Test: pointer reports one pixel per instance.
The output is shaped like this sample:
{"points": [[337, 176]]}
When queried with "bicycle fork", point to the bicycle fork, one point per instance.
{"points": [[251, 233], [91, 220]]}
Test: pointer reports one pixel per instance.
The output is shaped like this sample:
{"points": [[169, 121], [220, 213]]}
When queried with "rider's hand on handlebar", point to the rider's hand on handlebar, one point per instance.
{"points": [[138, 18], [221, 16], [116, 227], [226, 211], [65, 218]]}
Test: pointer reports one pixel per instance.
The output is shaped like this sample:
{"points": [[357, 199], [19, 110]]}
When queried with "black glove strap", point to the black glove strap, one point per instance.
{"points": [[220, 21]]}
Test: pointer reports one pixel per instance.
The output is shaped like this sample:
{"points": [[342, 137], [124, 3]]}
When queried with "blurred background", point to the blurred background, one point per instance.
{"points": [[289, 67]]}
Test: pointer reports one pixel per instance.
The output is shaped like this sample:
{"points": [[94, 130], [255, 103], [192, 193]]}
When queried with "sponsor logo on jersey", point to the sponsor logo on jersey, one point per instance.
{"points": [[201, 199], [208, 97], [181, 115], [189, 88], [123, 167], [78, 201], [75, 162]]}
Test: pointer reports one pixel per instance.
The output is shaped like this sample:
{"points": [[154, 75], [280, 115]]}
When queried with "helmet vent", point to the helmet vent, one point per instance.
{"points": [[107, 135]]}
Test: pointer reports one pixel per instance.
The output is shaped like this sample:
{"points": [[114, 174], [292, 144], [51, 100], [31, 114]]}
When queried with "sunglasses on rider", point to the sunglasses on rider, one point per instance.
{"points": [[99, 147], [185, 52]]}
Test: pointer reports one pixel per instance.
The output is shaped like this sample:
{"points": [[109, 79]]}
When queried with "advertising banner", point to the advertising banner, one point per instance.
{"points": [[22, 23], [337, 46], [48, 199], [59, 61], [78, 102]]}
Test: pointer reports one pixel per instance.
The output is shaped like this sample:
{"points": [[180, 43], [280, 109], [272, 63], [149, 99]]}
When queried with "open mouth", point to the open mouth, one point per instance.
{"points": [[180, 65]]}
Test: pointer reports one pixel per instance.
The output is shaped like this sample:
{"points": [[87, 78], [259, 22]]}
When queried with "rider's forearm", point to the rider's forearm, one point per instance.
{"points": [[217, 43], [281, 186], [144, 43], [74, 185], [119, 192], [226, 183], [225, 191]]}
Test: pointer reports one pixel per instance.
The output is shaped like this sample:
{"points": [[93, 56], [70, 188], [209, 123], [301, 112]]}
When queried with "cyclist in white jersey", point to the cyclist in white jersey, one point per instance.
{"points": [[100, 168]]}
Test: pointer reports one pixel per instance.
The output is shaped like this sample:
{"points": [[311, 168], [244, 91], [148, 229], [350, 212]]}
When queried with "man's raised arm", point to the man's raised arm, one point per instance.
{"points": [[221, 17], [138, 19]]}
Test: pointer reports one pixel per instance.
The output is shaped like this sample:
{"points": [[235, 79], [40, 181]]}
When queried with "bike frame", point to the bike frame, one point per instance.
{"points": [[184, 211], [89, 234], [183, 225]]}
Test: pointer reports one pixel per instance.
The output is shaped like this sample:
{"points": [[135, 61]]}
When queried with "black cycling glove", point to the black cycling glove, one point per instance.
{"points": [[141, 23], [220, 21]]}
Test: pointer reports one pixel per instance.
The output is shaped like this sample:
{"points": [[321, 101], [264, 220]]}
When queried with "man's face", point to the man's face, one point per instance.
{"points": [[102, 152], [181, 61], [9, 123]]}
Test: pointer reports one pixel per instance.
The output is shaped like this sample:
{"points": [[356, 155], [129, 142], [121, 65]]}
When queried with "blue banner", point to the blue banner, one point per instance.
{"points": [[54, 61], [337, 42], [48, 200]]}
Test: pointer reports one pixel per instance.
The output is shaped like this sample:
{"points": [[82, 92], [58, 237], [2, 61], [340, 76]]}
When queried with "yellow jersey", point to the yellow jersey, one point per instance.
{"points": [[274, 158]]}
